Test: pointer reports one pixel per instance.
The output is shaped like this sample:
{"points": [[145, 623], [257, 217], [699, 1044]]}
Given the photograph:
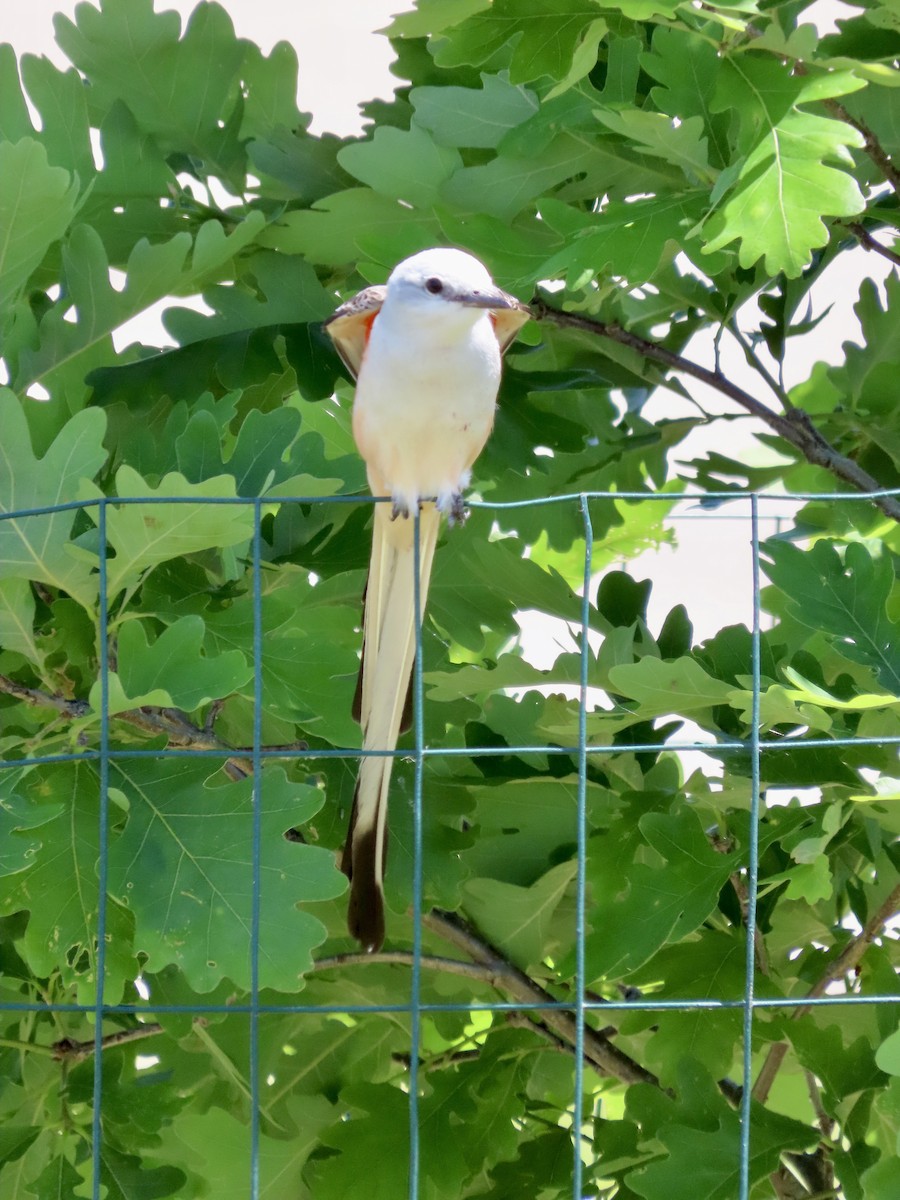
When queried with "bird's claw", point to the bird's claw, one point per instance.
{"points": [[458, 513]]}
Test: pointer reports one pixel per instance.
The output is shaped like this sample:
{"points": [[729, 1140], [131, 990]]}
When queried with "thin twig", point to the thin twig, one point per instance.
{"points": [[69, 708], [848, 959], [598, 1051], [871, 144], [755, 363], [404, 958], [866, 240], [794, 426], [68, 1051], [759, 946], [174, 724], [823, 1120]]}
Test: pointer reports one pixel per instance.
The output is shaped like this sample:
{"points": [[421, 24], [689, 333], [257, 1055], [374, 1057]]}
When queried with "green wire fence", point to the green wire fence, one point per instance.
{"points": [[757, 746]]}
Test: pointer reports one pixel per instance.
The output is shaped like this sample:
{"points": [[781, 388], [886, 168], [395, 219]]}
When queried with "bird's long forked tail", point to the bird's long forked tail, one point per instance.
{"points": [[389, 647]]}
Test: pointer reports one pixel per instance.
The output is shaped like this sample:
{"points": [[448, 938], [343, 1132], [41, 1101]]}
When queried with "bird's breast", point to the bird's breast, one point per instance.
{"points": [[424, 407]]}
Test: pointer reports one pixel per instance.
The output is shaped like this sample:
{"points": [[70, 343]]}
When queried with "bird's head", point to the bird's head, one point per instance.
{"points": [[442, 280]]}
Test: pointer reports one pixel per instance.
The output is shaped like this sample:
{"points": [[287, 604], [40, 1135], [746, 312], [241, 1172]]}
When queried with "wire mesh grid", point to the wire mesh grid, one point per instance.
{"points": [[754, 505]]}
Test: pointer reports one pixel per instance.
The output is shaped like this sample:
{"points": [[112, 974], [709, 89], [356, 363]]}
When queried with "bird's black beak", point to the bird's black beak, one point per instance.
{"points": [[489, 298]]}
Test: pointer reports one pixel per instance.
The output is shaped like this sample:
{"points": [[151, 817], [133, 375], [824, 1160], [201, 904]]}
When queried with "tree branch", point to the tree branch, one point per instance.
{"points": [[171, 722], [866, 240], [404, 958], [65, 1050], [489, 966], [598, 1051], [794, 426], [848, 959], [871, 144]]}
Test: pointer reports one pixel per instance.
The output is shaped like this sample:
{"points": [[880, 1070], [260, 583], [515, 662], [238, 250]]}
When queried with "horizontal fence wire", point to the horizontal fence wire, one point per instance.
{"points": [[705, 506]]}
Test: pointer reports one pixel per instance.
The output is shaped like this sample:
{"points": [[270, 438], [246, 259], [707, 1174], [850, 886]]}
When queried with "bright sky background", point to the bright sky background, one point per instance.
{"points": [[342, 61]]}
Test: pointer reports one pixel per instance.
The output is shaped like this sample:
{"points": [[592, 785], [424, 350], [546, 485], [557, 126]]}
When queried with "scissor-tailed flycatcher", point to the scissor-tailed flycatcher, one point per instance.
{"points": [[425, 350]]}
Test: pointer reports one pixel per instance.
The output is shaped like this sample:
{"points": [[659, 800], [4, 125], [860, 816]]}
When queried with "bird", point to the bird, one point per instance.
{"points": [[425, 351]]}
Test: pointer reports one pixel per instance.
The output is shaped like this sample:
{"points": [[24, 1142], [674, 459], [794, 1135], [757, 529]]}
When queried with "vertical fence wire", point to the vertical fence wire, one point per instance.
{"points": [[415, 1007], [580, 880], [415, 982], [103, 866], [753, 863], [257, 798]]}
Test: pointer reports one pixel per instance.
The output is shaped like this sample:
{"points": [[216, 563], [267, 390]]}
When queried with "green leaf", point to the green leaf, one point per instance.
{"points": [[506, 184], [708, 1159], [184, 867], [306, 168], [125, 49], [711, 966], [174, 662], [37, 204], [784, 186], [69, 349], [15, 1140], [624, 239], [61, 99], [653, 904], [544, 36], [259, 459], [17, 618], [520, 921], [477, 117], [887, 1056], [133, 164], [687, 67], [216, 1149], [15, 122], [883, 1179], [332, 231], [37, 547], [844, 597], [60, 891], [661, 687], [432, 16], [526, 826], [653, 133], [128, 1176], [310, 658], [144, 535], [406, 165], [58, 1180], [375, 1129]]}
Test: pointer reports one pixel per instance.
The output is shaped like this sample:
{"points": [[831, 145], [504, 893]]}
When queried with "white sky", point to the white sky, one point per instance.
{"points": [[341, 60]]}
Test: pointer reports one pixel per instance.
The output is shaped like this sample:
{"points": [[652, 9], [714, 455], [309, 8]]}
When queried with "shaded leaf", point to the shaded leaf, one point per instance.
{"points": [[36, 547], [37, 205]]}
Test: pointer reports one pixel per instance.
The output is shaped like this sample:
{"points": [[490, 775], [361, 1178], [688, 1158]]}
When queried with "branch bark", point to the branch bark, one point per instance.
{"points": [[846, 961], [65, 1050], [793, 426], [871, 144], [867, 242], [598, 1051], [174, 724], [489, 966]]}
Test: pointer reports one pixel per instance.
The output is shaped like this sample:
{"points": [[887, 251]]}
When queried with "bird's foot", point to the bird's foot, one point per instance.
{"points": [[399, 508], [457, 513]]}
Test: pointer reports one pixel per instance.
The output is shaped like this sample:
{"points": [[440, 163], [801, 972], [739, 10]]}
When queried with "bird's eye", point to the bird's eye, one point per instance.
{"points": [[434, 286]]}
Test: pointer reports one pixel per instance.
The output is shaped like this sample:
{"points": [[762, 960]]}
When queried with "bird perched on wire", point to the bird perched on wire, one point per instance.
{"points": [[425, 351]]}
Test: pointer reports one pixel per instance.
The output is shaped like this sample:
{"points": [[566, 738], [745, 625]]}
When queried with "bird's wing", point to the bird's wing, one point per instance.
{"points": [[351, 324], [508, 322]]}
